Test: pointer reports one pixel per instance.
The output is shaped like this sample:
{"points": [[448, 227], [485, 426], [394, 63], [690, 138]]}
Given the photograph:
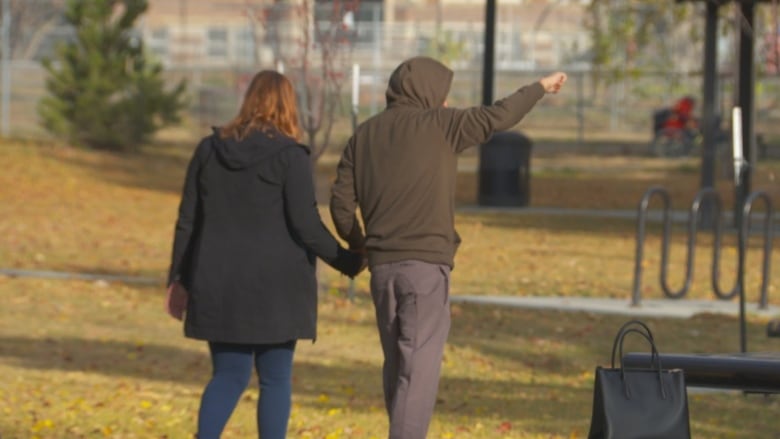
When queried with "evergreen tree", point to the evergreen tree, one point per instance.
{"points": [[103, 91]]}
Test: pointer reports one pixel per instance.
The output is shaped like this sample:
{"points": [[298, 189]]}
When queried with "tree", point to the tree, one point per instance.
{"points": [[628, 36], [445, 47], [29, 21], [770, 50], [317, 57], [103, 91]]}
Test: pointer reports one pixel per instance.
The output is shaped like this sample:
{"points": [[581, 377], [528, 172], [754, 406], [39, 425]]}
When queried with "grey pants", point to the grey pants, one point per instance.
{"points": [[412, 305]]}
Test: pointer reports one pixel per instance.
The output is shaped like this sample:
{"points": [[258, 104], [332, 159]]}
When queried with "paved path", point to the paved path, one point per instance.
{"points": [[46, 274], [678, 216], [677, 308], [648, 308], [659, 308]]}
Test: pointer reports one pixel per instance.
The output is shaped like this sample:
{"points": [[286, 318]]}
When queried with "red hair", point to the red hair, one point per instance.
{"points": [[269, 103]]}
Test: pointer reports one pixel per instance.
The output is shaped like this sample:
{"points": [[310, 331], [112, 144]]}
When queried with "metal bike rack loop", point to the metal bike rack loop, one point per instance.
{"points": [[744, 231], [717, 233], [640, 237], [694, 218]]}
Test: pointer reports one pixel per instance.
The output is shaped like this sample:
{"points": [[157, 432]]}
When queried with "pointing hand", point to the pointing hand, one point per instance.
{"points": [[553, 83]]}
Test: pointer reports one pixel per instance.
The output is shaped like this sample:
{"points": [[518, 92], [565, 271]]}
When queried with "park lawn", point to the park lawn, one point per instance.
{"points": [[97, 359], [98, 212], [90, 359]]}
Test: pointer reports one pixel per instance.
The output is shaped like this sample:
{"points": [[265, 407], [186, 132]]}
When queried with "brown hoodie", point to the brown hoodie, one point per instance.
{"points": [[399, 166]]}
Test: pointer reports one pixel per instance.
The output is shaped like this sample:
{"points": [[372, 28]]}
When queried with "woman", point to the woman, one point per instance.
{"points": [[244, 251]]}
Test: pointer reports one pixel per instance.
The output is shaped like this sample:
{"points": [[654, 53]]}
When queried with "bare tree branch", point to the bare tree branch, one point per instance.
{"points": [[30, 20], [317, 57]]}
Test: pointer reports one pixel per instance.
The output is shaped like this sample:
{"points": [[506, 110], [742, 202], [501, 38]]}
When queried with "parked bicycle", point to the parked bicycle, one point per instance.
{"points": [[676, 132]]}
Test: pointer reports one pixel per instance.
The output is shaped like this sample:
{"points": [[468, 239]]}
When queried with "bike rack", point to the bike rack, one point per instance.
{"points": [[694, 217]]}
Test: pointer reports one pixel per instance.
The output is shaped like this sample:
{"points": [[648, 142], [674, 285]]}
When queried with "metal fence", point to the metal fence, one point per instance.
{"points": [[218, 59]]}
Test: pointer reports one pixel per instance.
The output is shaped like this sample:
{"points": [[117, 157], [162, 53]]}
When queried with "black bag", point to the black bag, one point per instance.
{"points": [[631, 403]]}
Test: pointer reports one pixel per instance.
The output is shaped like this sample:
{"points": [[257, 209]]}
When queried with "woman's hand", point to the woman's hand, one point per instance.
{"points": [[176, 300], [359, 262]]}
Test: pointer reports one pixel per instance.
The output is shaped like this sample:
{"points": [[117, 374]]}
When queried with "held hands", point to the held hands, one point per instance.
{"points": [[553, 83], [176, 300], [359, 261]]}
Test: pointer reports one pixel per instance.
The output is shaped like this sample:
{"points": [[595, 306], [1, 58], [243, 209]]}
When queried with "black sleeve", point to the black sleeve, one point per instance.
{"points": [[301, 209], [188, 211]]}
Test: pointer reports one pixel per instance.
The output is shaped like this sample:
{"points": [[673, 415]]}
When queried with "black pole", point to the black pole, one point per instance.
{"points": [[746, 11], [489, 53], [488, 57], [709, 115], [741, 244]]}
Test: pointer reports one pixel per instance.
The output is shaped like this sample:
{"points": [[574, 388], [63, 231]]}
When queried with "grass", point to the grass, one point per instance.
{"points": [[94, 359]]}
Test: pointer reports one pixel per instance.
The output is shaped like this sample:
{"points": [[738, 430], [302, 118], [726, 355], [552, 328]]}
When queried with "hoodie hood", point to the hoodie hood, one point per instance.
{"points": [[252, 149], [420, 82]]}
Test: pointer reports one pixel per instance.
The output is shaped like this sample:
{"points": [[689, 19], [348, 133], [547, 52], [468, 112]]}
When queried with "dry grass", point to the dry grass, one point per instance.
{"points": [[96, 359]]}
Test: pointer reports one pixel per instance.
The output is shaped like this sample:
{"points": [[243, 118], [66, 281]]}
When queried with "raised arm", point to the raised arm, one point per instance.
{"points": [[473, 126]]}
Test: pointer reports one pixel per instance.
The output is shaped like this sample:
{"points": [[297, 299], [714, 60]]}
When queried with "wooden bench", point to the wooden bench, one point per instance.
{"points": [[757, 372]]}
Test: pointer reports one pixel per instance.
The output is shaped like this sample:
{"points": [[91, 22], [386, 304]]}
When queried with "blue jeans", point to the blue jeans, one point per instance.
{"points": [[232, 365]]}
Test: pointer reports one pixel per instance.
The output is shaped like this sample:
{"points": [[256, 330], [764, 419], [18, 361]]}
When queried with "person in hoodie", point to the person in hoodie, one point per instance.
{"points": [[399, 168], [243, 266]]}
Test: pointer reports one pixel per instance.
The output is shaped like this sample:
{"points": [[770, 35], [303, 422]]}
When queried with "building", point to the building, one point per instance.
{"points": [[531, 34]]}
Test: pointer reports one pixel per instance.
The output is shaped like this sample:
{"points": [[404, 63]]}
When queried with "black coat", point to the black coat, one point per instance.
{"points": [[246, 238]]}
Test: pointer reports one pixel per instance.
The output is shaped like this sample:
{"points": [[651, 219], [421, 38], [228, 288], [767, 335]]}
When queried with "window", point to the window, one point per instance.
{"points": [[217, 42], [245, 44], [158, 42]]}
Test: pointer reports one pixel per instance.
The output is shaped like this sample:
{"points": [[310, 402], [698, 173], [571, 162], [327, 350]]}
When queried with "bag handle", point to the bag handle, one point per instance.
{"points": [[658, 369], [619, 340]]}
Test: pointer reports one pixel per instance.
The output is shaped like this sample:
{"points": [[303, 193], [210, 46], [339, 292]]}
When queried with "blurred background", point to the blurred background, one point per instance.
{"points": [[626, 59]]}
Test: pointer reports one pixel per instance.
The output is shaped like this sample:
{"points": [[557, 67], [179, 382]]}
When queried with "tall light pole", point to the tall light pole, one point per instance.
{"points": [[745, 98], [5, 39], [709, 123], [489, 53]]}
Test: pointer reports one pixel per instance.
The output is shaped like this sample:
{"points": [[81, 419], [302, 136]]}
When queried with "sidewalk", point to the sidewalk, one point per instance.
{"points": [[675, 308], [656, 215], [678, 308]]}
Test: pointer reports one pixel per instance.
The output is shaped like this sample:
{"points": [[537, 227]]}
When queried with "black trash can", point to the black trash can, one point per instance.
{"points": [[505, 170]]}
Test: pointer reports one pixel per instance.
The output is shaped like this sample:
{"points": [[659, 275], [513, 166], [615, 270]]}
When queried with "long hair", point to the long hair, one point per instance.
{"points": [[269, 102]]}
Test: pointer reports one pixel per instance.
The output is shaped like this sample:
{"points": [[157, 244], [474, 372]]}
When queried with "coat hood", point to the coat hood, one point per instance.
{"points": [[420, 82], [252, 149]]}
